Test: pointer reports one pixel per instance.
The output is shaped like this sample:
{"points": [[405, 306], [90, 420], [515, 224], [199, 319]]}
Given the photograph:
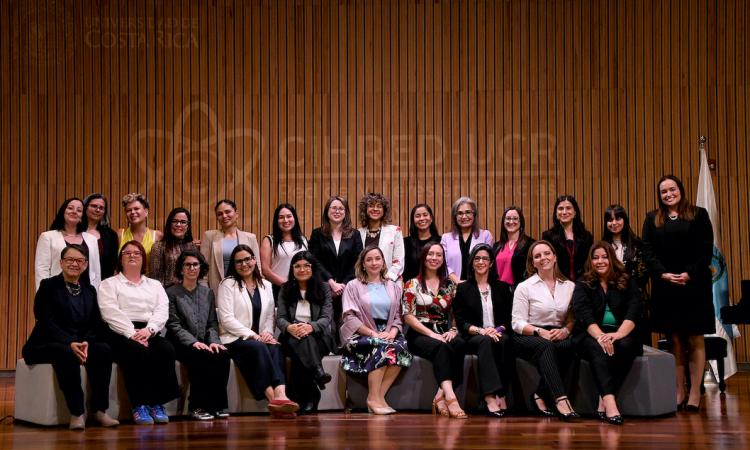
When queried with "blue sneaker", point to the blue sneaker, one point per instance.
{"points": [[141, 416], [158, 413]]}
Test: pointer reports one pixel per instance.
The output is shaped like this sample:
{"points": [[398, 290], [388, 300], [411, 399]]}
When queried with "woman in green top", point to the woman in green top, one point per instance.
{"points": [[607, 307]]}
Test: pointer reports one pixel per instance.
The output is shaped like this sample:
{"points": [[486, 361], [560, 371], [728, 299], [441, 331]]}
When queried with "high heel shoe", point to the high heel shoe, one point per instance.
{"points": [[691, 408], [614, 420], [542, 412], [572, 416], [460, 414], [436, 409]]}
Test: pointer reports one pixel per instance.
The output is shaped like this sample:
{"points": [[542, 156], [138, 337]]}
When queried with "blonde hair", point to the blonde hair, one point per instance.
{"points": [[134, 197], [359, 267]]}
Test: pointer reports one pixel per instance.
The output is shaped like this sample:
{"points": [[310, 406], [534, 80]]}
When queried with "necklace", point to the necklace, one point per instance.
{"points": [[373, 233], [674, 216], [73, 289]]}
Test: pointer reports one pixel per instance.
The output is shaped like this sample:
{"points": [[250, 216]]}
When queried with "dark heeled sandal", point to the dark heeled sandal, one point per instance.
{"points": [[572, 416], [542, 412]]}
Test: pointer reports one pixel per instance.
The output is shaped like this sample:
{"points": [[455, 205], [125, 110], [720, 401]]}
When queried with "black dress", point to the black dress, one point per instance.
{"points": [[676, 247]]}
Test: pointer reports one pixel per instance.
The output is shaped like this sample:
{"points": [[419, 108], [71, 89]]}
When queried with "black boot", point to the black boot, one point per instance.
{"points": [[322, 378]]}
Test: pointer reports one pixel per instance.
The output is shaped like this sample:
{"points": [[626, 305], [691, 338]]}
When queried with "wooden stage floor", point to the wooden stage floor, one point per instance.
{"points": [[723, 423]]}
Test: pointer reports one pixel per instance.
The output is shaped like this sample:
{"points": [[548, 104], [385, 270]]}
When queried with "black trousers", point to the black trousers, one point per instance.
{"points": [[150, 378], [494, 361], [67, 369], [306, 355], [261, 365], [209, 373], [610, 371], [551, 360], [447, 357]]}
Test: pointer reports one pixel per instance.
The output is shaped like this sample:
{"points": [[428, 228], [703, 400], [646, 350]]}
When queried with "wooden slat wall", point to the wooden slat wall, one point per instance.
{"points": [[291, 100]]}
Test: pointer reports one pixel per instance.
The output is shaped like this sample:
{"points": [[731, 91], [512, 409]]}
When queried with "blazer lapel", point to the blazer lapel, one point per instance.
{"points": [[218, 257]]}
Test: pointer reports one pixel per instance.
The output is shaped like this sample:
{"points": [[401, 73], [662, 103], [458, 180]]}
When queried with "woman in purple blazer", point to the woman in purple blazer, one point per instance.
{"points": [[464, 236]]}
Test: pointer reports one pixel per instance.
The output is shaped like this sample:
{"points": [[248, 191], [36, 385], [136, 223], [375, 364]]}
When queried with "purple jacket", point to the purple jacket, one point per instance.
{"points": [[356, 309], [449, 241]]}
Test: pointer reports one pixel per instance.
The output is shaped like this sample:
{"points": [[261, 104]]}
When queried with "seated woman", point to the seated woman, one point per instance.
{"points": [[136, 212], [277, 248], [375, 229], [68, 334], [245, 307], [194, 331], [136, 308], [67, 228], [482, 307], [371, 328], [96, 222], [607, 306], [542, 324], [463, 237], [304, 316], [178, 237], [426, 309]]}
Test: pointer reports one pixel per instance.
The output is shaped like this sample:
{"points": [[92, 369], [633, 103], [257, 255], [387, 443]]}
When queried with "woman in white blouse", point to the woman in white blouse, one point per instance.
{"points": [[542, 324], [136, 308], [375, 229], [246, 318], [67, 228]]}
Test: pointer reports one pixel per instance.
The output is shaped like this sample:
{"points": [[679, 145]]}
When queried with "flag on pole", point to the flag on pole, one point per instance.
{"points": [[707, 199]]}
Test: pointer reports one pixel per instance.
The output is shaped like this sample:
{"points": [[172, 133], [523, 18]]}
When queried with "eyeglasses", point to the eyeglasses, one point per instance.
{"points": [[243, 261], [337, 208], [305, 266], [512, 219], [180, 222], [71, 260], [465, 213], [97, 207], [132, 254], [482, 258], [194, 265]]}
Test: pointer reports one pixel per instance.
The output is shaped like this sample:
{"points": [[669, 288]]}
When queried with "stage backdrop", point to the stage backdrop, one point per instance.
{"points": [[509, 102]]}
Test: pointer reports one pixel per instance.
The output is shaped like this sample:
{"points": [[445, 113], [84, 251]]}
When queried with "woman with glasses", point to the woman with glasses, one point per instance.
{"points": [[66, 229], [512, 247], [136, 308], [68, 334], [217, 245], [305, 315], [96, 222], [136, 212], [375, 229], [246, 309], [178, 237], [464, 236]]}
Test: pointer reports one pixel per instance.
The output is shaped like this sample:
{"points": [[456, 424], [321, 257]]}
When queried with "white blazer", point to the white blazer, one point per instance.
{"points": [[392, 244], [47, 260], [235, 311]]}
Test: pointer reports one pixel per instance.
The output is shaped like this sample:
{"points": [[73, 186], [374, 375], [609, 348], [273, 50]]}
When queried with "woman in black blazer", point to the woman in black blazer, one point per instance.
{"points": [[482, 307], [607, 307], [336, 245], [569, 236], [512, 247], [67, 335], [96, 221], [304, 313]]}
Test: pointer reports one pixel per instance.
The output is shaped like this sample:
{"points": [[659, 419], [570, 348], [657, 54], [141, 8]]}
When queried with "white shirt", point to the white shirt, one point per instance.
{"points": [[123, 302], [303, 313], [488, 312], [533, 303]]}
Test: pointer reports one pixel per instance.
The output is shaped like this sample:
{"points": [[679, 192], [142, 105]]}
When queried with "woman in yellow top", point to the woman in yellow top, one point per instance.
{"points": [[136, 212]]}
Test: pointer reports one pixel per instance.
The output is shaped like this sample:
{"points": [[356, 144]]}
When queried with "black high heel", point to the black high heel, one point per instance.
{"points": [[572, 416], [542, 412]]}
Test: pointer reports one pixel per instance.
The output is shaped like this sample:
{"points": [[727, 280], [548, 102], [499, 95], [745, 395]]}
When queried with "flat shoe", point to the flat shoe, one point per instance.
{"points": [[105, 420], [283, 406], [78, 422]]}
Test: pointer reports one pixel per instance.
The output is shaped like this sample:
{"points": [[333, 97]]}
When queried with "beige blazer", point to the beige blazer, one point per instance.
{"points": [[211, 250], [235, 311]]}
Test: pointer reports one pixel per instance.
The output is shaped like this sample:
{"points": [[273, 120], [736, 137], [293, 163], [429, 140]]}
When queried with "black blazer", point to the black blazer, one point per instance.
{"points": [[518, 260], [580, 251], [589, 306], [339, 266], [467, 306], [54, 315], [108, 255], [321, 315]]}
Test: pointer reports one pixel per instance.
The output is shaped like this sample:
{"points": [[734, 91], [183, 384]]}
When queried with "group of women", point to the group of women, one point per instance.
{"points": [[371, 295]]}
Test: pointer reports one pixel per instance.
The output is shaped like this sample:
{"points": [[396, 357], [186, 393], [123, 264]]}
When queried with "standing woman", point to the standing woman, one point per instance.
{"points": [[370, 335], [178, 237], [422, 229], [336, 246], [627, 245], [68, 335], [217, 245], [512, 248], [678, 246], [542, 324], [305, 315], [374, 219], [136, 212], [136, 308], [462, 239], [569, 237], [277, 248], [96, 220], [482, 307], [426, 309], [194, 331], [66, 229], [245, 307], [607, 306]]}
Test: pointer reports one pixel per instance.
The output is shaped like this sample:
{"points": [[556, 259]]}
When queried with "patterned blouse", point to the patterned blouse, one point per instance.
{"points": [[163, 262], [433, 311]]}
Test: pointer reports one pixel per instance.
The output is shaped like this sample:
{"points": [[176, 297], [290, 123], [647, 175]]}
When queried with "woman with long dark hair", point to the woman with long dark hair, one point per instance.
{"points": [[678, 246], [177, 238], [627, 245], [96, 222], [569, 236], [422, 229], [304, 316], [512, 247], [277, 248]]}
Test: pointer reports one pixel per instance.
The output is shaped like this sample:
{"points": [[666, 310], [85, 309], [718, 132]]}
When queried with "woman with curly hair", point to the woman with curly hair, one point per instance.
{"points": [[375, 229]]}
